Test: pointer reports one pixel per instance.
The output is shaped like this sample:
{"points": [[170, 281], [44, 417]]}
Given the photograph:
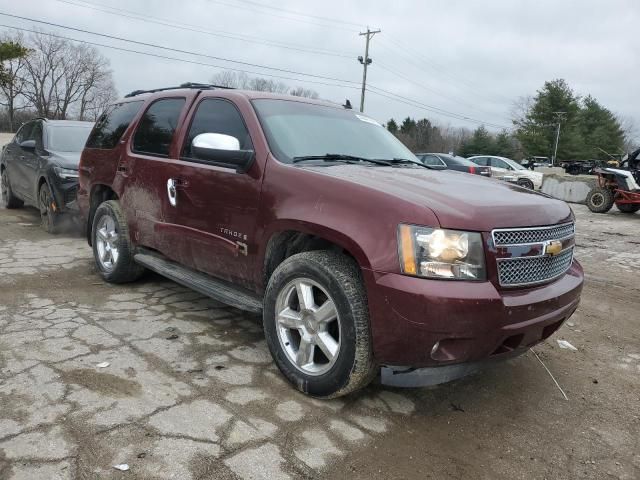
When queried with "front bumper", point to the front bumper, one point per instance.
{"points": [[64, 194], [417, 322]]}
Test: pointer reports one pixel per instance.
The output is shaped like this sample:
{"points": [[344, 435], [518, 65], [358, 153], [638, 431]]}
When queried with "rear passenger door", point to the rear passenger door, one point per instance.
{"points": [[143, 171], [212, 225]]}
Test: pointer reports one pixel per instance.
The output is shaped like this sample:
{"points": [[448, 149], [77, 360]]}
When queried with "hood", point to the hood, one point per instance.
{"points": [[65, 159], [459, 200]]}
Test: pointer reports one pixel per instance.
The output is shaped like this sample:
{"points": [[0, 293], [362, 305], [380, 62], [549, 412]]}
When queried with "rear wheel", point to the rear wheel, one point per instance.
{"points": [[526, 183], [112, 248], [316, 323], [48, 215], [600, 200], [8, 199], [628, 207]]}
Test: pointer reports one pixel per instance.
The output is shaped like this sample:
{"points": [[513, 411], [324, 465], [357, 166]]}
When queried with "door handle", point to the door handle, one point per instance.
{"points": [[172, 191]]}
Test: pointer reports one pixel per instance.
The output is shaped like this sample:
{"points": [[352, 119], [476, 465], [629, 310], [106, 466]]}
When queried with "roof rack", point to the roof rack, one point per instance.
{"points": [[197, 86]]}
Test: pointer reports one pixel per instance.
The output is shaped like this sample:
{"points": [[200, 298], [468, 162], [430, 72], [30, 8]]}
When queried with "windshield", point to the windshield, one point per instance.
{"points": [[68, 138], [296, 129], [514, 164]]}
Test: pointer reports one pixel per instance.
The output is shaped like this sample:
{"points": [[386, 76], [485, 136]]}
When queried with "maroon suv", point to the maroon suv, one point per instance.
{"points": [[361, 259]]}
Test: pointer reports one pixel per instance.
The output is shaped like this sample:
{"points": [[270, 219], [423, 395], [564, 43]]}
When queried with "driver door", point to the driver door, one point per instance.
{"points": [[15, 160], [499, 168], [211, 219]]}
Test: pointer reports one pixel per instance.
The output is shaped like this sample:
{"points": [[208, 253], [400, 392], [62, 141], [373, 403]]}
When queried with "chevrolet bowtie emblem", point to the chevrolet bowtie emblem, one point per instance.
{"points": [[553, 247]]}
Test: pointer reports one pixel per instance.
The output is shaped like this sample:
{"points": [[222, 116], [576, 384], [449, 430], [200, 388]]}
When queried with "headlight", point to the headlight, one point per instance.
{"points": [[439, 253], [65, 173]]}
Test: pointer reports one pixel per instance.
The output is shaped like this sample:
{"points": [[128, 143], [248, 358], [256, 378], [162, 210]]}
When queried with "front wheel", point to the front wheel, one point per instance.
{"points": [[526, 183], [112, 248], [48, 215], [600, 200], [628, 207], [316, 323]]}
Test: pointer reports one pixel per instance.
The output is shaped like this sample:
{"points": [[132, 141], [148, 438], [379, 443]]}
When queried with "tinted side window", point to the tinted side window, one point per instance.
{"points": [[157, 126], [36, 134], [480, 161], [23, 133], [217, 116], [496, 162], [112, 124], [431, 160]]}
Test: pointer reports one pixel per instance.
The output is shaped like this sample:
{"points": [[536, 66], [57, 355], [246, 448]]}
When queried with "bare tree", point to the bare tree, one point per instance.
{"points": [[63, 77], [12, 87], [303, 92], [231, 79], [631, 133]]}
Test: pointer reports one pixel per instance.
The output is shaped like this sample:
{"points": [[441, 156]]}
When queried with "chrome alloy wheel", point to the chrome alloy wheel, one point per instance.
{"points": [[107, 243], [308, 326]]}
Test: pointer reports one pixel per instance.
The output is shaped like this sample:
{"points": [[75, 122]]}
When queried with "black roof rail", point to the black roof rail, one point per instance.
{"points": [[198, 86]]}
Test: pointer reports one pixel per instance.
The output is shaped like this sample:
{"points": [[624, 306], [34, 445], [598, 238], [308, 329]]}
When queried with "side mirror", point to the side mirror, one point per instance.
{"points": [[28, 145], [222, 149]]}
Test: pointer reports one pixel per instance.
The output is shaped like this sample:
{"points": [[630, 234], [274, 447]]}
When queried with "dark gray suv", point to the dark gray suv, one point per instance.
{"points": [[40, 167]]}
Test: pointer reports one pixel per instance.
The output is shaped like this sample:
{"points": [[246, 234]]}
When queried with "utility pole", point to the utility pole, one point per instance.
{"points": [[365, 62], [560, 117]]}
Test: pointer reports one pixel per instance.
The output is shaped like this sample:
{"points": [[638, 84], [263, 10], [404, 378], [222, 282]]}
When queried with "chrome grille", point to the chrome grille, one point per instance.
{"points": [[515, 270], [519, 236], [530, 270]]}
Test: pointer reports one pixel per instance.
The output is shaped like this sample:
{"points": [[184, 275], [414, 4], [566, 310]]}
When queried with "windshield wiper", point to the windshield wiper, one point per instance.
{"points": [[338, 157], [406, 161]]}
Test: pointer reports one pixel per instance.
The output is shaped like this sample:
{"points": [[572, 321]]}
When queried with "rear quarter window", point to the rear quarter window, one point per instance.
{"points": [[112, 124]]}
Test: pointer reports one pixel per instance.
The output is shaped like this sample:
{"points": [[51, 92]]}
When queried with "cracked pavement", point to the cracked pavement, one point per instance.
{"points": [[175, 385]]}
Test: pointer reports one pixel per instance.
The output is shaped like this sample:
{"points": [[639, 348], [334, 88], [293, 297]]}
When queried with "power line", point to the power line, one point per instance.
{"points": [[385, 93], [302, 14], [143, 17], [400, 50], [213, 57], [431, 108], [233, 5], [176, 59], [429, 89]]}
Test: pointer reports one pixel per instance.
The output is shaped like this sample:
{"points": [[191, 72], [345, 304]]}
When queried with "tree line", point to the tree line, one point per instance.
{"points": [[588, 130], [47, 76]]}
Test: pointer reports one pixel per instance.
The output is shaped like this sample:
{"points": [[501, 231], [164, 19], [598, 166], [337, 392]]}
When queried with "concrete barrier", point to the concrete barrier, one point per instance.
{"points": [[570, 188]]}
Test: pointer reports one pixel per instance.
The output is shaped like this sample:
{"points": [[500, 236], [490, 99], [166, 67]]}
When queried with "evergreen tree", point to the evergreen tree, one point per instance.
{"points": [[537, 131], [8, 51], [480, 143], [600, 130], [392, 126]]}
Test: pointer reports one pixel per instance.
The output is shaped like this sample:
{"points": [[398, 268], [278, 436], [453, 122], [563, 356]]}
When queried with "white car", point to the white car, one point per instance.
{"points": [[510, 171]]}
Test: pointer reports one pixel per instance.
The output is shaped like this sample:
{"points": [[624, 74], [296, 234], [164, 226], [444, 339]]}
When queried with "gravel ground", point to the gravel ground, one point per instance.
{"points": [[177, 386]]}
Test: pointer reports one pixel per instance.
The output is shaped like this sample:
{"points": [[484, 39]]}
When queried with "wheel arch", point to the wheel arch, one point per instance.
{"points": [[99, 193], [291, 239]]}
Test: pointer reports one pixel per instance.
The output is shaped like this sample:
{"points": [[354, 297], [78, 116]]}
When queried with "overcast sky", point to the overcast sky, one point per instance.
{"points": [[466, 57]]}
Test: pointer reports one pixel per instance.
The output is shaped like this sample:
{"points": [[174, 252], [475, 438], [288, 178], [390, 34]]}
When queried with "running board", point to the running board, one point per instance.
{"points": [[220, 290]]}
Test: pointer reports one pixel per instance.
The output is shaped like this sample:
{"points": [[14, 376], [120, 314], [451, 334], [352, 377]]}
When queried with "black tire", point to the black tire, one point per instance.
{"points": [[600, 200], [49, 218], [7, 198], [354, 366], [123, 269], [526, 183], [628, 207]]}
